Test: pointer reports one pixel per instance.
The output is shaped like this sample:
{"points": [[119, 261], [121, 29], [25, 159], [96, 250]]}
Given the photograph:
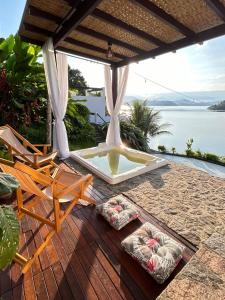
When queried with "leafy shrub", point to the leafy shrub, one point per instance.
{"points": [[199, 154], [131, 135], [9, 235], [173, 149], [35, 134], [162, 148], [189, 151], [82, 110], [211, 156], [77, 124]]}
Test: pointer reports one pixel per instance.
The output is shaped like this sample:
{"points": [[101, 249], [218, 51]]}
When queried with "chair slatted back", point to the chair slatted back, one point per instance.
{"points": [[26, 183], [34, 174]]}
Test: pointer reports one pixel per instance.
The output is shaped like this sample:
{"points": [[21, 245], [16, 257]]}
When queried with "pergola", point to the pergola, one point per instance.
{"points": [[137, 29]]}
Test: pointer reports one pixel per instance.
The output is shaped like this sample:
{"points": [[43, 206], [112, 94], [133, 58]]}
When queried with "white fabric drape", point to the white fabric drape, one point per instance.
{"points": [[113, 134], [56, 72]]}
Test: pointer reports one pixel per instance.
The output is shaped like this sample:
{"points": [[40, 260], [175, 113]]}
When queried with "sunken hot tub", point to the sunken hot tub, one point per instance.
{"points": [[116, 164]]}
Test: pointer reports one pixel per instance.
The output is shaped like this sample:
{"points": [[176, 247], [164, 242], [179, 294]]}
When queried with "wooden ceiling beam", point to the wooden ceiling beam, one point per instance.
{"points": [[108, 38], [36, 12], [164, 17], [83, 9], [92, 47], [217, 7], [81, 54], [97, 13], [32, 28], [31, 41], [187, 41]]}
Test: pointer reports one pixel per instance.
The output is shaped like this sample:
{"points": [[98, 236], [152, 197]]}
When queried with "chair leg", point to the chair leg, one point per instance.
{"points": [[19, 196], [57, 214]]}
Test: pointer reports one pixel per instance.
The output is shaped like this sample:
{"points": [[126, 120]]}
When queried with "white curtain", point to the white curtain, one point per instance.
{"points": [[56, 72], [113, 134]]}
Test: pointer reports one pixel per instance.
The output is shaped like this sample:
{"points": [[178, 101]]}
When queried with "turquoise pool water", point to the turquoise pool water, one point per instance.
{"points": [[114, 162]]}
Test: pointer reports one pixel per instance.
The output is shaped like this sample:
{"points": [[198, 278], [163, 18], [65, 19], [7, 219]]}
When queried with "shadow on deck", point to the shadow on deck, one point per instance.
{"points": [[84, 261]]}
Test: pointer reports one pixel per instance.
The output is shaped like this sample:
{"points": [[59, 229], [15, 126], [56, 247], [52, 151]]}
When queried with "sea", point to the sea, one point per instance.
{"points": [[207, 128]]}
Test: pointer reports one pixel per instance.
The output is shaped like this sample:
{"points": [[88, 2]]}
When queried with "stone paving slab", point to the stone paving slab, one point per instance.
{"points": [[203, 277]]}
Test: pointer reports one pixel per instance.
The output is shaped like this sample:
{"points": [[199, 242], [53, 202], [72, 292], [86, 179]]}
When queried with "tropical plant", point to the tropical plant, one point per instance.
{"points": [[77, 123], [173, 149], [22, 82], [162, 148], [77, 81], [147, 119], [189, 150], [9, 235], [131, 136]]}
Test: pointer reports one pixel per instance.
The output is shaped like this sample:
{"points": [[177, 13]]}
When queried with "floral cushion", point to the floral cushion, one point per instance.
{"points": [[157, 253], [118, 212]]}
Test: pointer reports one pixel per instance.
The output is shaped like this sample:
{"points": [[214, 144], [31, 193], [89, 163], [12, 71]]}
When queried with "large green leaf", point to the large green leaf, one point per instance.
{"points": [[6, 47], [9, 235]]}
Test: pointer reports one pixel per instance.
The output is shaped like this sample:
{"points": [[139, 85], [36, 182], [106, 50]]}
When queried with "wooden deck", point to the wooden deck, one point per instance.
{"points": [[84, 261]]}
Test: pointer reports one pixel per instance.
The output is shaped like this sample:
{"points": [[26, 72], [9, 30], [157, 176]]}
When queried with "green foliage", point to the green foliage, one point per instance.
{"points": [[79, 129], [189, 151], [22, 82], [218, 107], [211, 156], [130, 135], [81, 145], [77, 81], [82, 110], [173, 149], [133, 137], [9, 235], [146, 119], [199, 154], [162, 148], [35, 134]]}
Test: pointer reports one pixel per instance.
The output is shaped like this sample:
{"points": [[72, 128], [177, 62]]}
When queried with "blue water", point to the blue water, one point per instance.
{"points": [[207, 128]]}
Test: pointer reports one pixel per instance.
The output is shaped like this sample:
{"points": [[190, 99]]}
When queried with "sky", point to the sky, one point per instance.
{"points": [[195, 68]]}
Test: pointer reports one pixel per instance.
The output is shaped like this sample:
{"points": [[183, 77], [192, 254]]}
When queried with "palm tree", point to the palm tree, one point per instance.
{"points": [[148, 120]]}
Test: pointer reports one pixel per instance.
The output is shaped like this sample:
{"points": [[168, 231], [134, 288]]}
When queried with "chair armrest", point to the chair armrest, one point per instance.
{"points": [[29, 154], [42, 145], [34, 155], [45, 147]]}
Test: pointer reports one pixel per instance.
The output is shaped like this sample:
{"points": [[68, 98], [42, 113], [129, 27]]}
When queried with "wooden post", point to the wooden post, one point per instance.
{"points": [[49, 123], [114, 84]]}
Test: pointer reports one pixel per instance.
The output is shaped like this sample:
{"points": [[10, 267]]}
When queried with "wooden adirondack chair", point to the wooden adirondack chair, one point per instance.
{"points": [[62, 186], [18, 146]]}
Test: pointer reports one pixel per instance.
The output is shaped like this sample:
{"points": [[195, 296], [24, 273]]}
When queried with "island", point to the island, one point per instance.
{"points": [[218, 107]]}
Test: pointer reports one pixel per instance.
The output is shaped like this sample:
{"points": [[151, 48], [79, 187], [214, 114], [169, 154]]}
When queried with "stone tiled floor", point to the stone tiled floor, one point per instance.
{"points": [[203, 277]]}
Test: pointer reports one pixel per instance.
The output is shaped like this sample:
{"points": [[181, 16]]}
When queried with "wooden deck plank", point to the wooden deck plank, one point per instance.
{"points": [[5, 280], [51, 284], [120, 286], [92, 276], [62, 283], [103, 276], [18, 292], [86, 285], [40, 287], [36, 266]]}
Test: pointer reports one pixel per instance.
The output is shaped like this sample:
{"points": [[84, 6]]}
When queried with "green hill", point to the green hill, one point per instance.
{"points": [[218, 107]]}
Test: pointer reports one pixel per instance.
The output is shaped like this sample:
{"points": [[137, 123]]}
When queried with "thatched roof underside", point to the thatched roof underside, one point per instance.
{"points": [[137, 29]]}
